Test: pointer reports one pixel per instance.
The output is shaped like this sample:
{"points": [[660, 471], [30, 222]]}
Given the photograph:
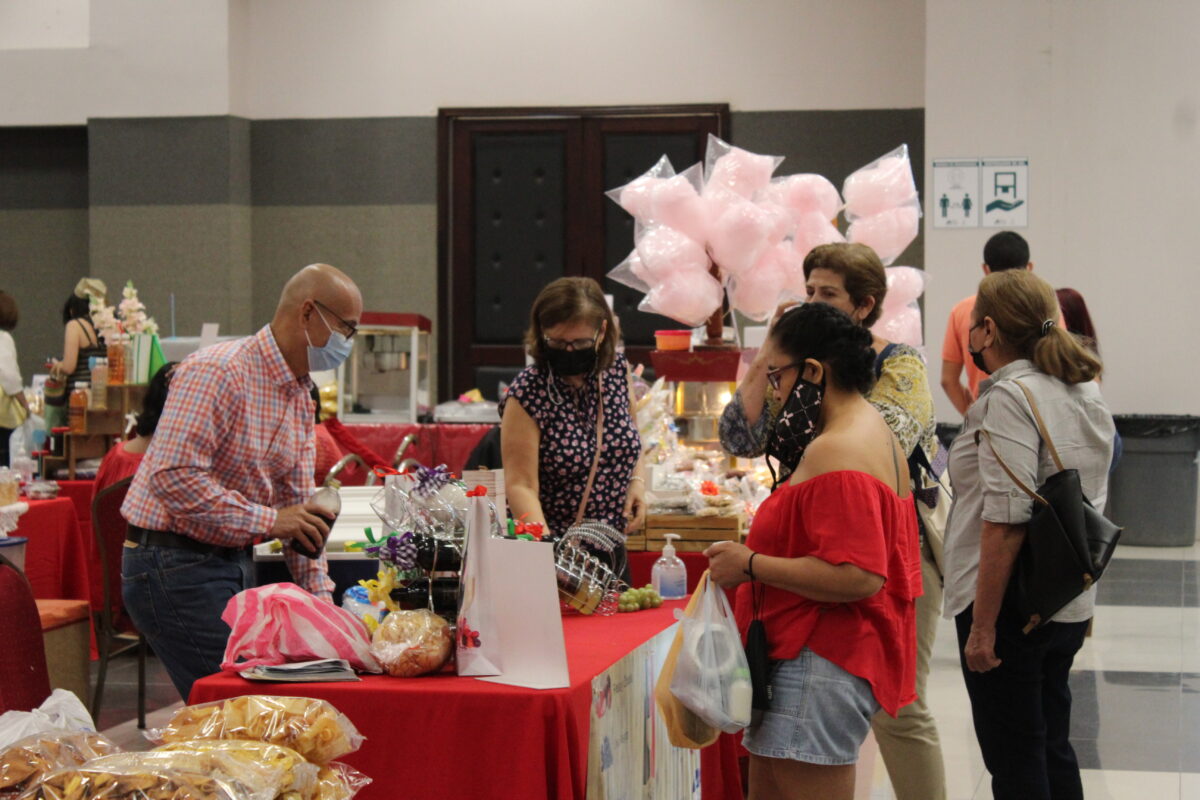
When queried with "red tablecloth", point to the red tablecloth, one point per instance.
{"points": [[56, 558], [80, 493], [444, 736], [441, 443]]}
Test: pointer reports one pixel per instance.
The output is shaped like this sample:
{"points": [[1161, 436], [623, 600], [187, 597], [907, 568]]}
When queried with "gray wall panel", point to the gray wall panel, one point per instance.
{"points": [[168, 161], [43, 167], [197, 252], [390, 251], [43, 254], [337, 162]]}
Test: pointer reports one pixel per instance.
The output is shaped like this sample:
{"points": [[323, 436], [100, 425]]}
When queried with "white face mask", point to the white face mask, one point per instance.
{"points": [[335, 351]]}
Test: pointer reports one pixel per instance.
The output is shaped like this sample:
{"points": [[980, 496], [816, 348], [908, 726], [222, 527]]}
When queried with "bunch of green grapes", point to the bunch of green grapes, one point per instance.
{"points": [[638, 599]]}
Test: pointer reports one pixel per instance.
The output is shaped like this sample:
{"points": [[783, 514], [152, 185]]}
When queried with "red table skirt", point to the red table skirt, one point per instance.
{"points": [[56, 558], [445, 736], [81, 493], [441, 443]]}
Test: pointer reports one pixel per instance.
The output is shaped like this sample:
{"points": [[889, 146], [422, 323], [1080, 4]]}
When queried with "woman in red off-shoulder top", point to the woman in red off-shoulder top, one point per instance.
{"points": [[831, 563]]}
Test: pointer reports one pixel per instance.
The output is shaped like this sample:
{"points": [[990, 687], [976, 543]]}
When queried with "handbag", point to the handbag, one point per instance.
{"points": [[54, 391], [12, 413], [758, 658], [1068, 543]]}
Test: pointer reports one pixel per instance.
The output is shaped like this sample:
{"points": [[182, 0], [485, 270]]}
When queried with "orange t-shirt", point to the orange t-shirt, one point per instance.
{"points": [[955, 348]]}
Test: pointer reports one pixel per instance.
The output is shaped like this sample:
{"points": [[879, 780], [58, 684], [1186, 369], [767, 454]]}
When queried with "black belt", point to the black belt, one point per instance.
{"points": [[144, 536]]}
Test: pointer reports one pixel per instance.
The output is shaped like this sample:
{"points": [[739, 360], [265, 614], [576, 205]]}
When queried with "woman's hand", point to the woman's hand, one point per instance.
{"points": [[727, 563], [635, 506], [980, 650]]}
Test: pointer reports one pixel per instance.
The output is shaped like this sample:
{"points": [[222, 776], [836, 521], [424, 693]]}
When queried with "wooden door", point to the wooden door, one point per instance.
{"points": [[521, 203]]}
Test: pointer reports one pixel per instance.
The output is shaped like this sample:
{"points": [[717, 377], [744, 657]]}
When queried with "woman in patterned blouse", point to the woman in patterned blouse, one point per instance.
{"points": [[850, 277], [575, 392]]}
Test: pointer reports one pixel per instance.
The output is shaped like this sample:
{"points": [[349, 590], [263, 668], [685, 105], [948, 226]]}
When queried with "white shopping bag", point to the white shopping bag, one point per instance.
{"points": [[509, 623]]}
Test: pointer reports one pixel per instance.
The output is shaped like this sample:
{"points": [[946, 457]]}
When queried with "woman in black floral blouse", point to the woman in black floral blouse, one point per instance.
{"points": [[850, 277], [575, 393]]}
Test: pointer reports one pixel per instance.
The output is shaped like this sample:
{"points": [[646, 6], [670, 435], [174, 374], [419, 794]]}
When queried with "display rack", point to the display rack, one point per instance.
{"points": [[103, 429]]}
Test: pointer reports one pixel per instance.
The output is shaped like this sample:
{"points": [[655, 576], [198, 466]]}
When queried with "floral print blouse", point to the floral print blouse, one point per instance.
{"points": [[566, 417]]}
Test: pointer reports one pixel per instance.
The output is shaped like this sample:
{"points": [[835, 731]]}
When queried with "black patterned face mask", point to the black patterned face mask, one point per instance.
{"points": [[796, 428]]}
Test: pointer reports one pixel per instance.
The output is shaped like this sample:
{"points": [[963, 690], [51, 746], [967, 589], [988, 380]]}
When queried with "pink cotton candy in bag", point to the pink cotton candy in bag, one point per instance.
{"points": [[281, 623]]}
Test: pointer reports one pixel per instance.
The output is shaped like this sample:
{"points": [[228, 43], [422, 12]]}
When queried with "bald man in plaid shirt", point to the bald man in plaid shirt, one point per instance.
{"points": [[232, 461]]}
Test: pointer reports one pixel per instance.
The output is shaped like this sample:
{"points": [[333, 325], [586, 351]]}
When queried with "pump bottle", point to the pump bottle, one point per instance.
{"points": [[669, 575]]}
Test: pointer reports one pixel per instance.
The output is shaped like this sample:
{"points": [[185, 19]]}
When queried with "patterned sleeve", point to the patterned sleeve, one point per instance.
{"points": [[738, 436], [902, 396], [522, 389]]}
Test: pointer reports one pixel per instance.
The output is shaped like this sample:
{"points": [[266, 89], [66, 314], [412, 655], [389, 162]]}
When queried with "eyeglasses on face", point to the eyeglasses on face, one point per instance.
{"points": [[573, 344], [775, 375], [349, 326]]}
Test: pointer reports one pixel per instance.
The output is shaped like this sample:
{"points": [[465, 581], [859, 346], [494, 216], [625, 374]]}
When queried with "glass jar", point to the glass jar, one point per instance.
{"points": [[116, 362]]}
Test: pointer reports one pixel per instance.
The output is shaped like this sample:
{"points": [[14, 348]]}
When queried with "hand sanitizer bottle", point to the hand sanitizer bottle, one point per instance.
{"points": [[669, 575]]}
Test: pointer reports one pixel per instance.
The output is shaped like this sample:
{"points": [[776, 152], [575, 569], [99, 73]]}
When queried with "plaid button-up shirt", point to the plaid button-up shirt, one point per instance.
{"points": [[235, 443]]}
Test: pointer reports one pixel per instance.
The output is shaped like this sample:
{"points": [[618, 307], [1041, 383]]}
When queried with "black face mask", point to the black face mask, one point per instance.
{"points": [[571, 362], [795, 428]]}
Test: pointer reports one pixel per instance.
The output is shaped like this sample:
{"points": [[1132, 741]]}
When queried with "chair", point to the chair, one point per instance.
{"points": [[26, 683], [345, 461], [408, 440], [109, 528]]}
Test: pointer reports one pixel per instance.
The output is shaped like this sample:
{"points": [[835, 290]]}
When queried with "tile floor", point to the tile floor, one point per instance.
{"points": [[1136, 686]]}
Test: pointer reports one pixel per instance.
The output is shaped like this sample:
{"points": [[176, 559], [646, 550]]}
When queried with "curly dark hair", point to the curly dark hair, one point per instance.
{"points": [[827, 334]]}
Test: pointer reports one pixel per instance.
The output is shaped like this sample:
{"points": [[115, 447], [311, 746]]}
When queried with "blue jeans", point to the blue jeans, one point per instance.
{"points": [[1022, 708], [176, 597]]}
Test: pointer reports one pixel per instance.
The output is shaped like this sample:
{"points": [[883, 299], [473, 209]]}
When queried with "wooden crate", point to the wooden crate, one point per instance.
{"points": [[636, 543], [695, 533]]}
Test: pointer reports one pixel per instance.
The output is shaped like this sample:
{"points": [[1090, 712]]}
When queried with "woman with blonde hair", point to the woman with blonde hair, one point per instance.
{"points": [[1017, 681]]}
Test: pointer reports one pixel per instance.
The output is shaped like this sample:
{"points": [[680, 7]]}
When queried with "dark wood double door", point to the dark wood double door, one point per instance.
{"points": [[521, 202]]}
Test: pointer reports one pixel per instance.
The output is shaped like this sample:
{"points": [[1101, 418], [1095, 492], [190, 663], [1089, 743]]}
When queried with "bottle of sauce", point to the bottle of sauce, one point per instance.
{"points": [[100, 385], [330, 501], [77, 409]]}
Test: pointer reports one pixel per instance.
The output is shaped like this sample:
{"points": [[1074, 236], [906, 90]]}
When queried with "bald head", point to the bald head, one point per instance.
{"points": [[318, 300], [321, 282]]}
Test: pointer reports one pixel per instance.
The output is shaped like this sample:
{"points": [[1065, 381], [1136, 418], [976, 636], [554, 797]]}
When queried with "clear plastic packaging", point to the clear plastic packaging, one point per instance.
{"points": [[901, 318], [711, 662], [634, 196], [338, 781], [884, 184], [690, 299], [131, 776], [265, 770], [804, 194], [888, 233], [28, 761], [313, 728], [732, 169], [412, 643], [743, 232]]}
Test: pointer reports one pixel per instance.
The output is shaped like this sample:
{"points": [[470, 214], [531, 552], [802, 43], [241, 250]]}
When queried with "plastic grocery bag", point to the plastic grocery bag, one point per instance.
{"points": [[281, 623], [62, 711], [684, 727], [712, 676]]}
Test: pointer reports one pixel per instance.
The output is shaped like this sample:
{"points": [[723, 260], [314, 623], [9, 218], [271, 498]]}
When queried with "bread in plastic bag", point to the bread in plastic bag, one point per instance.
{"points": [[27, 761], [271, 770], [313, 728], [412, 643], [132, 776], [338, 781]]}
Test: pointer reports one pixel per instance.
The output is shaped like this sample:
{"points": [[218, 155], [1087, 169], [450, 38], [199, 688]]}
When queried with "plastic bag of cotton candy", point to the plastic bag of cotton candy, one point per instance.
{"points": [[882, 205]]}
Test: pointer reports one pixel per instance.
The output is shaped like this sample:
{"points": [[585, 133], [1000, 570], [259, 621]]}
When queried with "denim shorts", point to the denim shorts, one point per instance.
{"points": [[819, 713]]}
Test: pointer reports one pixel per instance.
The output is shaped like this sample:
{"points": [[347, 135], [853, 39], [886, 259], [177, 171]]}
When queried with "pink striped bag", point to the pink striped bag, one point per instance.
{"points": [[281, 623]]}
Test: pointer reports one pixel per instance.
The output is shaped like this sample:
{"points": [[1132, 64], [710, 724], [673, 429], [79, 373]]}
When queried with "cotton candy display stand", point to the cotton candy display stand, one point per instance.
{"points": [[509, 623], [728, 229]]}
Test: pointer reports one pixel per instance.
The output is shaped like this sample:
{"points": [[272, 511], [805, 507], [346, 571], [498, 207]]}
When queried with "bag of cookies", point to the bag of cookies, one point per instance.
{"points": [[338, 781], [313, 728], [272, 770], [28, 760], [131, 776]]}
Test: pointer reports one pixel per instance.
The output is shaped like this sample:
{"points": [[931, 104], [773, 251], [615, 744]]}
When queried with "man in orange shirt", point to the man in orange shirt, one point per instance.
{"points": [[1005, 250]]}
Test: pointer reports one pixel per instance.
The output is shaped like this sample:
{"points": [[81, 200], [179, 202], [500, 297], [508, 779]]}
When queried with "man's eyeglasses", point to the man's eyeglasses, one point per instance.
{"points": [[574, 344], [350, 326], [774, 375]]}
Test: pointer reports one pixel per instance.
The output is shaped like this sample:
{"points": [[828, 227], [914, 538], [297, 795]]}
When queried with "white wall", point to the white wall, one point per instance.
{"points": [[320, 59], [313, 58], [144, 59], [1102, 96]]}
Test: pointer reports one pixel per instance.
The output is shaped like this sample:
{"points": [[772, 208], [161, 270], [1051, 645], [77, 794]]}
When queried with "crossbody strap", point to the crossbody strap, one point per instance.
{"points": [[587, 489], [1041, 425], [1021, 484]]}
